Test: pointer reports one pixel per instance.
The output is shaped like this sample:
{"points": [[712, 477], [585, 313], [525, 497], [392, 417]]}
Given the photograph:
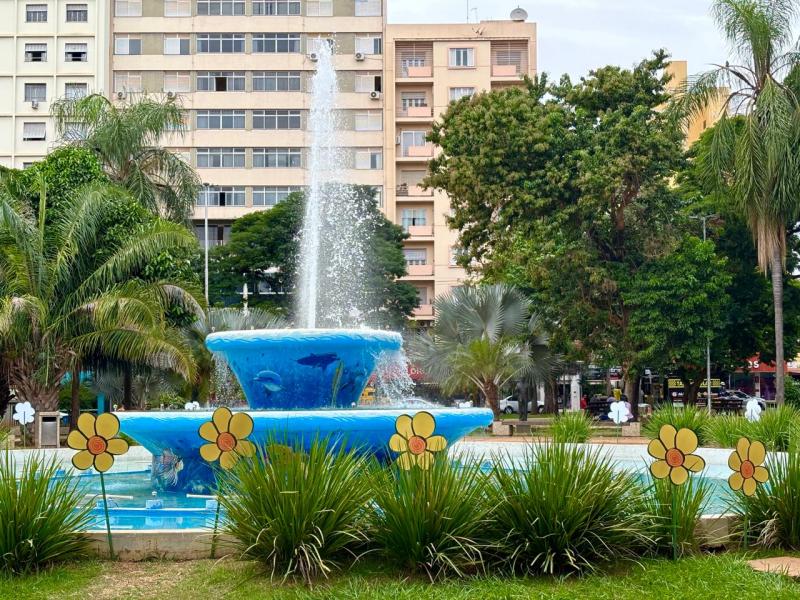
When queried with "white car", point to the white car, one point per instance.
{"points": [[510, 405]]}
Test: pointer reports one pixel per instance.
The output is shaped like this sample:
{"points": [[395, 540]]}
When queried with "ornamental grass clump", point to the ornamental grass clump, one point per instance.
{"points": [[688, 417], [565, 509], [726, 430], [571, 427], [296, 512], [432, 520], [690, 501], [41, 516], [776, 428]]}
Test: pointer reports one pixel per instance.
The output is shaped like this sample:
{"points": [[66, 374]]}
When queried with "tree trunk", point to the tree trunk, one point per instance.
{"points": [[75, 396], [490, 391], [5, 391], [776, 271], [127, 387], [550, 402], [631, 390]]}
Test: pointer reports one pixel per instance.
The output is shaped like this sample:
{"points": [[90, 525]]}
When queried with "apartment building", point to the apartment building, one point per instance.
{"points": [[427, 67], [679, 70], [48, 49]]}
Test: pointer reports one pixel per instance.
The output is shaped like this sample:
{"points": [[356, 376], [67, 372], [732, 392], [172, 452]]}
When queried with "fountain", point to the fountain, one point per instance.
{"points": [[304, 384]]}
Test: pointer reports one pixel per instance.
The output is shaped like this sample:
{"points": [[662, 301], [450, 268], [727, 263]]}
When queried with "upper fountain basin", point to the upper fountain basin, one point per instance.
{"points": [[303, 368]]}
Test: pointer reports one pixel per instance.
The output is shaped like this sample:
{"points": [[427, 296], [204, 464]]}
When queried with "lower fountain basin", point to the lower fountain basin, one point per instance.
{"points": [[173, 439]]}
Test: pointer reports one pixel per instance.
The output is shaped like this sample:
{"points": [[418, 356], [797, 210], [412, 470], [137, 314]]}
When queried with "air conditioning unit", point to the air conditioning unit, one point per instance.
{"points": [[120, 95], [360, 56], [313, 57], [171, 95], [397, 141], [375, 95], [34, 104]]}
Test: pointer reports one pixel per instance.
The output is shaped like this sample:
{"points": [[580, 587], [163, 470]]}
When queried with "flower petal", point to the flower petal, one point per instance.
{"points": [[694, 463], [686, 440], [76, 440], [227, 460], [749, 487], [757, 454], [735, 481], [103, 462], [208, 431], [742, 447], [656, 449], [424, 424], [406, 460], [241, 425], [667, 435], [86, 425], [117, 446], [210, 452], [222, 418], [245, 448], [398, 443], [82, 460], [436, 443], [734, 461], [403, 426], [679, 475], [425, 460], [760, 474], [659, 469], [107, 426]]}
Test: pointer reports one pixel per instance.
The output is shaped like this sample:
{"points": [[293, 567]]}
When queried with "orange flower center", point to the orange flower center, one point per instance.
{"points": [[674, 457], [416, 445], [747, 469], [96, 445], [226, 442]]}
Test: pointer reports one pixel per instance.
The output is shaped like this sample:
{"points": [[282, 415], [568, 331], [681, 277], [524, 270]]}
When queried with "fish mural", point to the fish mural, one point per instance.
{"points": [[318, 361], [166, 468], [270, 380]]}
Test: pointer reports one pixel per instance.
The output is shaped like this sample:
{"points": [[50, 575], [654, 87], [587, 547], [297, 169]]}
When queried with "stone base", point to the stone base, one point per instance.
{"points": [[159, 544], [631, 430], [500, 428], [783, 565]]}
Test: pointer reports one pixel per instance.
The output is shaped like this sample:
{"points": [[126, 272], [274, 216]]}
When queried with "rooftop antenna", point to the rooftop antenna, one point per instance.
{"points": [[475, 13], [468, 11]]}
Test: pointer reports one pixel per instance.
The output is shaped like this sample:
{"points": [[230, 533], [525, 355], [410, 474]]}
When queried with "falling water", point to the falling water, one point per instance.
{"points": [[224, 383]]}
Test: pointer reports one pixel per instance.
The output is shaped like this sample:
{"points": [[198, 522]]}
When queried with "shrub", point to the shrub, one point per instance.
{"points": [[725, 430], [433, 521], [566, 509], [571, 427], [41, 517], [776, 428], [295, 512], [791, 392], [690, 417], [691, 500]]}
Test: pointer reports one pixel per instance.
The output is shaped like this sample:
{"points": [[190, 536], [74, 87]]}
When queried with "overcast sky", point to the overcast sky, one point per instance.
{"points": [[578, 35]]}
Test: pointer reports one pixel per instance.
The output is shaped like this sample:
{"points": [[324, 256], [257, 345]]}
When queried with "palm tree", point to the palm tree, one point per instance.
{"points": [[757, 160], [484, 337], [126, 139], [62, 309]]}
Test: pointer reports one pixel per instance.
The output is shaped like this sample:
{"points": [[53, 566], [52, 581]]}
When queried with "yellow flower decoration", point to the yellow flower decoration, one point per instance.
{"points": [[415, 441], [746, 462], [95, 439], [227, 432], [673, 449]]}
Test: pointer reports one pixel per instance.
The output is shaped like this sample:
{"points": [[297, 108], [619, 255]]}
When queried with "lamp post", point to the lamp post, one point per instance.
{"points": [[704, 220], [205, 238]]}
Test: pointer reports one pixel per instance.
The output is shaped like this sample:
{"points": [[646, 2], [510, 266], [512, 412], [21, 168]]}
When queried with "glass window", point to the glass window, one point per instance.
{"points": [[128, 8], [319, 8], [220, 43], [368, 82], [369, 45], [126, 44], [270, 195], [276, 7], [220, 119], [127, 81], [276, 81], [371, 120], [370, 158], [413, 99], [276, 119], [412, 138], [75, 131], [276, 42], [220, 81], [412, 217], [220, 196], [368, 8], [36, 13], [35, 52], [76, 52], [220, 7], [176, 44], [34, 132], [177, 81], [220, 158], [73, 91], [77, 13], [422, 292], [415, 256], [178, 8], [457, 93], [35, 92], [277, 158], [462, 57]]}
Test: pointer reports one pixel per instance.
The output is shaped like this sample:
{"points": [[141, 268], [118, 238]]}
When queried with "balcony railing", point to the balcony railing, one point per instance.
{"points": [[405, 190], [415, 111], [420, 230], [506, 70], [419, 270], [424, 310], [425, 151]]}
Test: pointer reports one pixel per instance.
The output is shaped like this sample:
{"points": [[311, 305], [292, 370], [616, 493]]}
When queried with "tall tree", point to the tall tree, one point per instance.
{"points": [[756, 155]]}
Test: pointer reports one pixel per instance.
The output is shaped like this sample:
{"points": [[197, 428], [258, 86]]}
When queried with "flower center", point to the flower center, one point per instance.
{"points": [[416, 445], [226, 442], [96, 445], [747, 469], [674, 457]]}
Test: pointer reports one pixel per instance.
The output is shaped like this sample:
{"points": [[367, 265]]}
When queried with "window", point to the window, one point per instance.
{"points": [[76, 52], [270, 195], [127, 81], [370, 158], [276, 42], [460, 92], [220, 158], [178, 8], [416, 256], [220, 196], [462, 57], [412, 139], [413, 217], [126, 44], [128, 8], [368, 8], [176, 44], [277, 158], [77, 13], [35, 52], [218, 235], [220, 7], [368, 82], [276, 81], [220, 119], [34, 132], [36, 13], [422, 292], [276, 7], [75, 131], [220, 43], [369, 45], [276, 119], [35, 92], [177, 81], [371, 120], [220, 81], [319, 8], [413, 99], [73, 91]]}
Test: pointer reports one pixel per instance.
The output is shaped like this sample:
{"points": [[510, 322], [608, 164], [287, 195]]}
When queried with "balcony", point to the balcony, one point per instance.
{"points": [[419, 270], [424, 151], [414, 60], [505, 70], [413, 72], [415, 112], [424, 310], [417, 231], [509, 59], [412, 191]]}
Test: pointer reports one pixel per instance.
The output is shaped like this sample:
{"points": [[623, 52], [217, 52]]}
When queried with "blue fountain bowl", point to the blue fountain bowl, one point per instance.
{"points": [[303, 368]]}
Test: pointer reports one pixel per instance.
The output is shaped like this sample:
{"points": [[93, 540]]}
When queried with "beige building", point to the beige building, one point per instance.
{"points": [[679, 69], [48, 49]]}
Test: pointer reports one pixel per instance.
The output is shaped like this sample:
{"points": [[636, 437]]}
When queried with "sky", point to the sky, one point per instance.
{"points": [[575, 36]]}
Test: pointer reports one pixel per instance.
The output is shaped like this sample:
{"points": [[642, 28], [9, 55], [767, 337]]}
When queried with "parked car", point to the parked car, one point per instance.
{"points": [[743, 397], [510, 405]]}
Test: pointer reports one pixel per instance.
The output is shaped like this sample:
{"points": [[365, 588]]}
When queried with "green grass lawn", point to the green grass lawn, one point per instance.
{"points": [[710, 576]]}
